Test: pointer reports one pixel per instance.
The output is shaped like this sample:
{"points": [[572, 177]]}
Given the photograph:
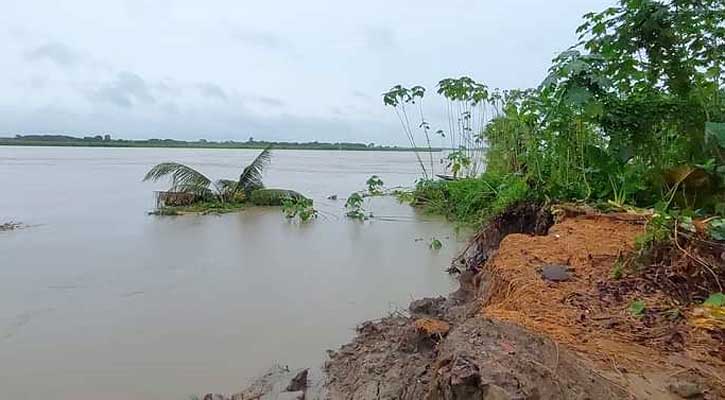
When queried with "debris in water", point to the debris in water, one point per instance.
{"points": [[9, 226]]}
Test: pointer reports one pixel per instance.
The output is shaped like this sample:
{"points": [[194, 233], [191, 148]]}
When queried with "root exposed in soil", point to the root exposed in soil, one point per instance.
{"points": [[529, 218], [518, 335]]}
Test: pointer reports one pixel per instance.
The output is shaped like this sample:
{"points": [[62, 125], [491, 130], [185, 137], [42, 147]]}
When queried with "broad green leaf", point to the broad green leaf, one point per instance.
{"points": [[578, 95], [716, 300], [715, 131], [716, 229]]}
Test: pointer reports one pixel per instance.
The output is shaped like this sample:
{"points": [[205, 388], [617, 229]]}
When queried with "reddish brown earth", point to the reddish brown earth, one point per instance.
{"points": [[509, 333]]}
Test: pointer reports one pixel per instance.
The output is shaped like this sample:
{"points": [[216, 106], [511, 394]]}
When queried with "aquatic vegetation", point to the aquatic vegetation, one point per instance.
{"points": [[273, 197], [354, 208], [435, 244], [299, 207], [193, 192], [185, 179], [375, 185]]}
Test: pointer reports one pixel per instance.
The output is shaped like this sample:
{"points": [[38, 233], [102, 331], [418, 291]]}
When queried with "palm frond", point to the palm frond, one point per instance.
{"points": [[251, 177], [226, 188], [183, 178]]}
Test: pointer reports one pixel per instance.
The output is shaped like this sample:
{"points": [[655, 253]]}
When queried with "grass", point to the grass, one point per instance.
{"points": [[471, 201]]}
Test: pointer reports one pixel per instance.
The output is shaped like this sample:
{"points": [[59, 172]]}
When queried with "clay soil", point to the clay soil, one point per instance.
{"points": [[510, 333]]}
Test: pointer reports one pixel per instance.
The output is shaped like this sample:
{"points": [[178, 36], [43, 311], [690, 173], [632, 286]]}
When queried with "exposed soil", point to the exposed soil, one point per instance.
{"points": [[511, 333]]}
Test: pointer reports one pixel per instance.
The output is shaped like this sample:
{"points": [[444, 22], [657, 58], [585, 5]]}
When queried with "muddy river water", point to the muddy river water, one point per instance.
{"points": [[100, 300]]}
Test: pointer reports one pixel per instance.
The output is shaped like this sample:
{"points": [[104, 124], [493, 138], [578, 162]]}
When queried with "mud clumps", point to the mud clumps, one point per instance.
{"points": [[478, 359]]}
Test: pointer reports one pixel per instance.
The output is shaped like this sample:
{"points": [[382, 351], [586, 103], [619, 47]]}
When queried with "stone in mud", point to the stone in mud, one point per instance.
{"points": [[299, 382], [432, 306], [686, 390], [555, 272]]}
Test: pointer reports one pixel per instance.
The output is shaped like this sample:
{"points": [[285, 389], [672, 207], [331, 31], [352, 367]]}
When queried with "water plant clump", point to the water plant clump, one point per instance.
{"points": [[193, 192], [375, 185], [354, 208], [299, 207]]}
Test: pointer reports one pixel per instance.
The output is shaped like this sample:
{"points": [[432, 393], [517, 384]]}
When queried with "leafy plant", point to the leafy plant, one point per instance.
{"points": [[617, 270], [401, 99], [716, 229], [715, 300], [187, 179], [637, 308], [354, 207], [251, 177], [375, 185], [458, 161], [299, 207]]}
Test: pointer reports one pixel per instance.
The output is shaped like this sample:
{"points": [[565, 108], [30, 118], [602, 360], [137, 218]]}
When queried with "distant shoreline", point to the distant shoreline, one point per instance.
{"points": [[68, 141]]}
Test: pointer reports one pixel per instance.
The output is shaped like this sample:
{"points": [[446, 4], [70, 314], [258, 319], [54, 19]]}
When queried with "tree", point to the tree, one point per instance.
{"points": [[187, 179]]}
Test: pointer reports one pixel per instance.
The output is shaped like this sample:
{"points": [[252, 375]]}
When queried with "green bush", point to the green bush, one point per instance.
{"points": [[472, 200], [272, 197]]}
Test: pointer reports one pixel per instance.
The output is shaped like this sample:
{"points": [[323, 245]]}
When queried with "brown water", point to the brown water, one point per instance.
{"points": [[100, 300]]}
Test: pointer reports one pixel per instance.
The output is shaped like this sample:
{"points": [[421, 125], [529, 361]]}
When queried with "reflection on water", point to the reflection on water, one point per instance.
{"points": [[99, 299]]}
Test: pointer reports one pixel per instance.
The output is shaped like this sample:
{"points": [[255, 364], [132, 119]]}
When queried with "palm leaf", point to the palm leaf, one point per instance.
{"points": [[251, 177], [183, 178]]}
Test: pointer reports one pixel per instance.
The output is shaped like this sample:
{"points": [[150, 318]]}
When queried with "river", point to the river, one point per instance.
{"points": [[100, 300]]}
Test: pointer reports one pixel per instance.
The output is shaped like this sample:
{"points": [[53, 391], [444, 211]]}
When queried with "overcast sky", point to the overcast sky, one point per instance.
{"points": [[277, 70]]}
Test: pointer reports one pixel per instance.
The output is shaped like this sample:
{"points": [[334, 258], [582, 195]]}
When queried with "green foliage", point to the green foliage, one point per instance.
{"points": [[472, 200], [187, 179], [183, 178], [715, 300], [272, 197], [298, 207], [375, 185], [251, 177], [354, 208], [458, 161], [659, 228], [617, 270], [637, 308], [633, 113], [404, 196], [402, 99], [716, 229]]}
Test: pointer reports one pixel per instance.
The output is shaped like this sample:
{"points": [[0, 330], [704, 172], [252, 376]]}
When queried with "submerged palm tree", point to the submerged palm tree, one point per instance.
{"points": [[188, 180]]}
